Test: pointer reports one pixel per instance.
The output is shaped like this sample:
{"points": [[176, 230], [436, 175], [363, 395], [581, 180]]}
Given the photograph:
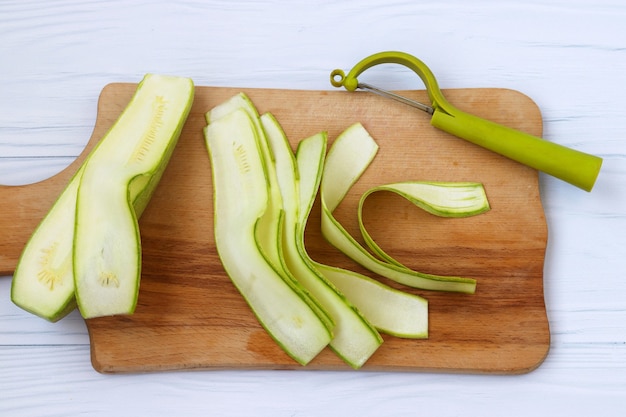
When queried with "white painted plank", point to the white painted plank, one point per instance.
{"points": [[55, 383], [20, 328], [28, 170]]}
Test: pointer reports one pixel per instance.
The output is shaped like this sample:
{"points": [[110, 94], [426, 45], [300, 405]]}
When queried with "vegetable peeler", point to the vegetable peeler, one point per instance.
{"points": [[575, 167]]}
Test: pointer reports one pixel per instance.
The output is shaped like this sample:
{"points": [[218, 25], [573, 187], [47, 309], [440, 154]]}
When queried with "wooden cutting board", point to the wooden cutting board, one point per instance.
{"points": [[190, 316]]}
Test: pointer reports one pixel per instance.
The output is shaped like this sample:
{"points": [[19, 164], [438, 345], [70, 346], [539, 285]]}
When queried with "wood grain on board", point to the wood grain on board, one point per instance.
{"points": [[190, 316]]}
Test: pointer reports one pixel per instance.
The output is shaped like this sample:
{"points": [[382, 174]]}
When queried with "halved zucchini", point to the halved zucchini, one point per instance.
{"points": [[87, 247], [117, 182]]}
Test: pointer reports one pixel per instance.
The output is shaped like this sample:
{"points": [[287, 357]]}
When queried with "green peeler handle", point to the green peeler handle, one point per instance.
{"points": [[575, 167]]}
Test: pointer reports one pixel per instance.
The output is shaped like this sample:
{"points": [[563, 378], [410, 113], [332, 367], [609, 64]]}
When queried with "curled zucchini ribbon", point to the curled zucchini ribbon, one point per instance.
{"points": [[350, 155]]}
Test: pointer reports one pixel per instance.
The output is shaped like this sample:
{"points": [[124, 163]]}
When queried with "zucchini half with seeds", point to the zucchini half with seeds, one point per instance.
{"points": [[88, 245]]}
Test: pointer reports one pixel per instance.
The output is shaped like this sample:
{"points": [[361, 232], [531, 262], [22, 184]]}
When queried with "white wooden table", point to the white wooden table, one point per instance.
{"points": [[567, 55]]}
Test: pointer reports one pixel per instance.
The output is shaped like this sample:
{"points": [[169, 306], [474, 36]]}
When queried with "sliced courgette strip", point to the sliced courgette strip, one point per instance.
{"points": [[443, 199], [268, 228], [391, 311], [347, 159]]}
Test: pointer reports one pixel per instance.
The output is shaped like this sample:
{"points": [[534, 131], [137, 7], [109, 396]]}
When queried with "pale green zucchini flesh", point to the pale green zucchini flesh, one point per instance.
{"points": [[391, 311], [43, 281]]}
